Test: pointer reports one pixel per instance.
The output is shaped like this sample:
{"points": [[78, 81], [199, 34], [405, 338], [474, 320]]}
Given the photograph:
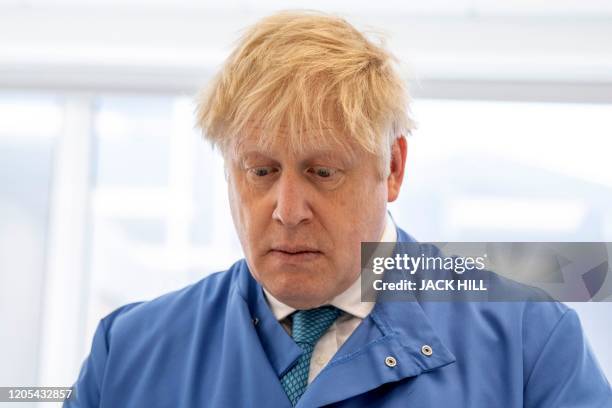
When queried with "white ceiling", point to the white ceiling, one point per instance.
{"points": [[175, 45]]}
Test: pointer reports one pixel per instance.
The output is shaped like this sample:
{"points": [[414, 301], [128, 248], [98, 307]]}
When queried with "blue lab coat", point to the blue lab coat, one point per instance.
{"points": [[216, 343]]}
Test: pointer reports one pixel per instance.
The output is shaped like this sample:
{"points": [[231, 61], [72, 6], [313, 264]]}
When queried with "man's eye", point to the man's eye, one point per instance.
{"points": [[323, 172], [263, 171]]}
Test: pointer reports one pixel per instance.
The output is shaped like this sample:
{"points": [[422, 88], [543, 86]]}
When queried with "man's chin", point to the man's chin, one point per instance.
{"points": [[300, 294], [288, 275]]}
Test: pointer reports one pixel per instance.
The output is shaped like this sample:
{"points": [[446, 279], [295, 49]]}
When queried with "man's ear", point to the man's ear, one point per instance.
{"points": [[397, 164]]}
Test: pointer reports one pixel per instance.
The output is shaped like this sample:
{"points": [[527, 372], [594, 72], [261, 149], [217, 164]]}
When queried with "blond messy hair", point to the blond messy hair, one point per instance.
{"points": [[313, 76]]}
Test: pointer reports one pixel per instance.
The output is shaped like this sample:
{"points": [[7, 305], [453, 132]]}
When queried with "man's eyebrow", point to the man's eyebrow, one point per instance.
{"points": [[242, 156], [319, 154], [329, 155]]}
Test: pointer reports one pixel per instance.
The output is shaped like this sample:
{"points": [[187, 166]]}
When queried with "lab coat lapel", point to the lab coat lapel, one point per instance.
{"points": [[262, 349]]}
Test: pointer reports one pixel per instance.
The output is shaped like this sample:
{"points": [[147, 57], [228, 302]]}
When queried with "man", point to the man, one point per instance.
{"points": [[310, 117]]}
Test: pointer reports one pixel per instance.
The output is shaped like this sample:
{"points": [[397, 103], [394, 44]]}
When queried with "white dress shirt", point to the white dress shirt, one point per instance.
{"points": [[353, 312]]}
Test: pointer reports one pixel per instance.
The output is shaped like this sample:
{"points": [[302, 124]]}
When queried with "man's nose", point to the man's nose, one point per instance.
{"points": [[292, 205]]}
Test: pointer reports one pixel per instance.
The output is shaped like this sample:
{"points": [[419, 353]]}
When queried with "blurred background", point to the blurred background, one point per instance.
{"points": [[108, 195]]}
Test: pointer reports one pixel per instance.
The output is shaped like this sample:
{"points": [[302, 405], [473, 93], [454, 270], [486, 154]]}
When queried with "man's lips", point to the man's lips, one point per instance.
{"points": [[294, 249], [295, 254]]}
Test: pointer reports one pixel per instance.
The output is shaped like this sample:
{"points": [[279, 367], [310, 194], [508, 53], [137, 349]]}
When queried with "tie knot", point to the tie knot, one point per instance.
{"points": [[309, 325]]}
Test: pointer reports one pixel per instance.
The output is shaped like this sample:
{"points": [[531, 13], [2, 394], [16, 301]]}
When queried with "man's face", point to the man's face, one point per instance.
{"points": [[301, 216]]}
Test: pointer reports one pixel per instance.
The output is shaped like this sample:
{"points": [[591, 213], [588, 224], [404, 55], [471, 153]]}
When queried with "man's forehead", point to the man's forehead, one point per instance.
{"points": [[305, 145]]}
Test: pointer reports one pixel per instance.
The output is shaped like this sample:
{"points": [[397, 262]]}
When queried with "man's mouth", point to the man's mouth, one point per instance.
{"points": [[295, 253]]}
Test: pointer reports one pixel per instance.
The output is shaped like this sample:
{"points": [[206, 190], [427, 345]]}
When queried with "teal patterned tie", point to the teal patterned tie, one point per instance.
{"points": [[307, 328]]}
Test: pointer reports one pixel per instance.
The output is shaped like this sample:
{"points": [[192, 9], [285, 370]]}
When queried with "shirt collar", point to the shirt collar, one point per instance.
{"points": [[348, 301]]}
